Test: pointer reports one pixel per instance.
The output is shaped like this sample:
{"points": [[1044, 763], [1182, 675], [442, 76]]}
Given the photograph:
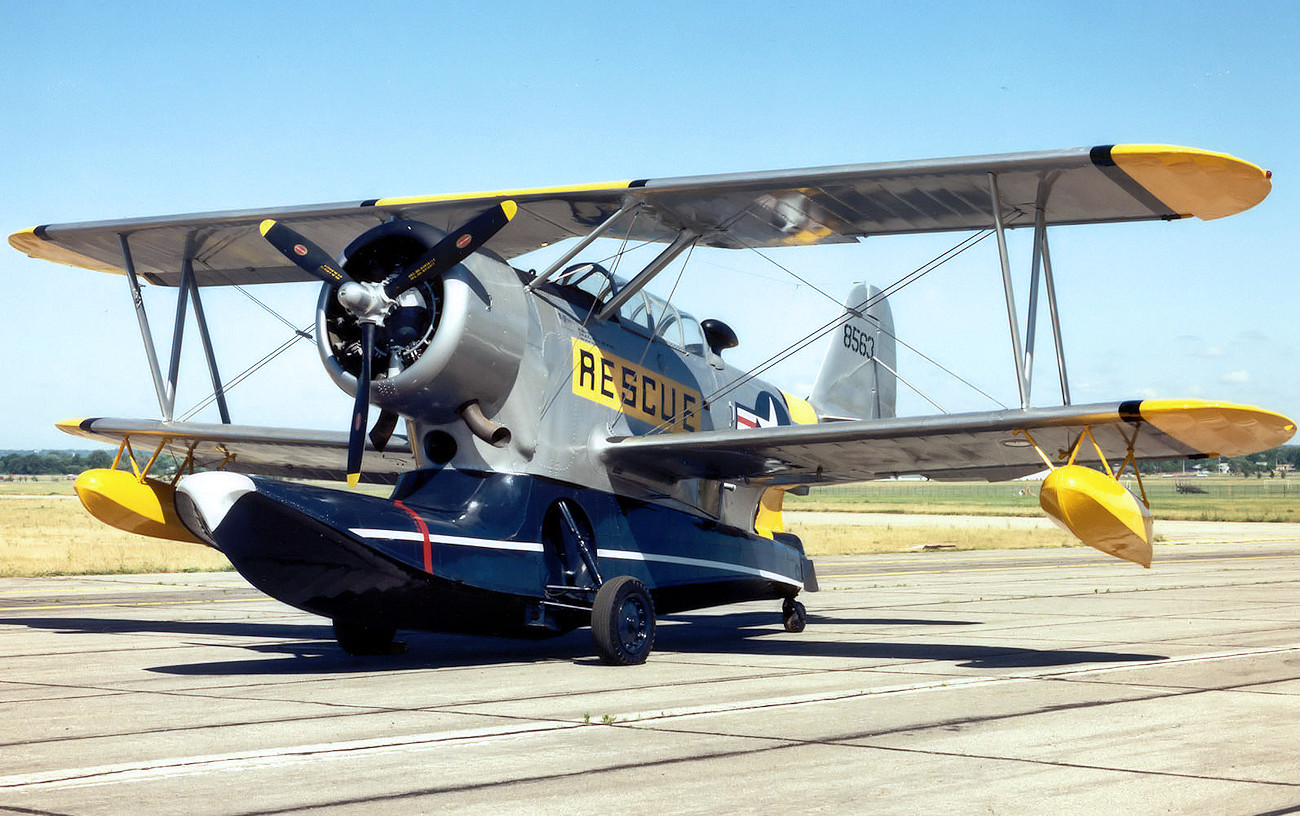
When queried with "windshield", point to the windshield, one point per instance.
{"points": [[656, 317], [644, 312]]}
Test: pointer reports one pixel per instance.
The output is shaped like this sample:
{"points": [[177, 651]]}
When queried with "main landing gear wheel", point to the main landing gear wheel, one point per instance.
{"points": [[793, 615], [359, 639], [623, 621]]}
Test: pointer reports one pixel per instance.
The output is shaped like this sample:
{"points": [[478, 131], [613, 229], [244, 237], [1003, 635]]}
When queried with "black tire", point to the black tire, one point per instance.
{"points": [[793, 616], [359, 639], [623, 621]]}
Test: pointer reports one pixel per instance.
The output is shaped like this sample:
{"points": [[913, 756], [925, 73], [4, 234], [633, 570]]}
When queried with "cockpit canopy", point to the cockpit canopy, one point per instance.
{"points": [[644, 313]]}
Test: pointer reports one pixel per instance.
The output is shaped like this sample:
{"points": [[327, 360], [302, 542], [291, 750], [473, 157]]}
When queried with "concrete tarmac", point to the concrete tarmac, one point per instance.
{"points": [[1052, 681]]}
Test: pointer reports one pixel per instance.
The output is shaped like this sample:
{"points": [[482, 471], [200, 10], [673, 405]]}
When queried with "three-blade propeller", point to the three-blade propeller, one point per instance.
{"points": [[371, 303]]}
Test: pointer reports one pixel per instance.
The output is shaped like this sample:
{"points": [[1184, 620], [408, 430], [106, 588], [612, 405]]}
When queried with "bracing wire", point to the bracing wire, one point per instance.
{"points": [[830, 325], [668, 304], [617, 258], [298, 334], [927, 358], [266, 308]]}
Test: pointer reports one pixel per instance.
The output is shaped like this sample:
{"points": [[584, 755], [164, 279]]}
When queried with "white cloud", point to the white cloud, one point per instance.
{"points": [[1236, 377]]}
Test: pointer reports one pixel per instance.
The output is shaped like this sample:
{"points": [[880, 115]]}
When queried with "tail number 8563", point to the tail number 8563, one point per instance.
{"points": [[858, 341]]}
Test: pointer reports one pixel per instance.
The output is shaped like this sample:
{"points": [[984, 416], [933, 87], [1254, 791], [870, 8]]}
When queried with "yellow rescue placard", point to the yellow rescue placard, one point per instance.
{"points": [[633, 390]]}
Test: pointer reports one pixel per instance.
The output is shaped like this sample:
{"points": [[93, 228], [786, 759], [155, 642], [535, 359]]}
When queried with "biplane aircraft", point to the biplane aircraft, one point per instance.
{"points": [[577, 452]]}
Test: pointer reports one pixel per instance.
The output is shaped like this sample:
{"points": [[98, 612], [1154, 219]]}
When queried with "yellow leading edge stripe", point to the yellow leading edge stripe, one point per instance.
{"points": [[1195, 182], [568, 188]]}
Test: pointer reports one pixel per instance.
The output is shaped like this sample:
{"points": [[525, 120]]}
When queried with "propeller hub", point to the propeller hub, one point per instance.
{"points": [[367, 302]]}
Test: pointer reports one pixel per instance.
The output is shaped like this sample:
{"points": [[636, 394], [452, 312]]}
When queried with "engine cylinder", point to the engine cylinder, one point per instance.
{"points": [[453, 339]]}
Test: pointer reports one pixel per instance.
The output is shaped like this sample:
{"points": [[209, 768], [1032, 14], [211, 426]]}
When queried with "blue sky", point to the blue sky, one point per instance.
{"points": [[132, 109]]}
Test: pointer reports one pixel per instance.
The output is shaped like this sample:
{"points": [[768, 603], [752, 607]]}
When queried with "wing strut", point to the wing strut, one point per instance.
{"points": [[1018, 349], [684, 240], [186, 293], [1049, 283], [205, 338], [628, 206], [1041, 265], [164, 401]]}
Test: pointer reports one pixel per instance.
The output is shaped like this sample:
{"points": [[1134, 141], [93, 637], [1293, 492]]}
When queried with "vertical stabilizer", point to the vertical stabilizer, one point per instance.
{"points": [[857, 378]]}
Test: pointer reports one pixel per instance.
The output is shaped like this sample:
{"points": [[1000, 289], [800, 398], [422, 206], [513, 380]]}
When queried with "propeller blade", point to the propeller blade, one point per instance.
{"points": [[453, 249], [357, 435], [383, 430], [307, 256]]}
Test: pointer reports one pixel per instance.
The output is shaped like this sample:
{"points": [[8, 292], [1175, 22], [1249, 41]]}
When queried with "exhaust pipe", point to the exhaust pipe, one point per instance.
{"points": [[496, 435]]}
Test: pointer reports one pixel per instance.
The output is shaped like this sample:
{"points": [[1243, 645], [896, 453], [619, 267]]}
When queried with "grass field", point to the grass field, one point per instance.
{"points": [[845, 539], [54, 535], [45, 531], [1225, 498]]}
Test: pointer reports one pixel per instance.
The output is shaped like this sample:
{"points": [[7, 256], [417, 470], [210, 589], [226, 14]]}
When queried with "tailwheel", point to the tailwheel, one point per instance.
{"points": [[623, 621], [793, 615], [365, 639]]}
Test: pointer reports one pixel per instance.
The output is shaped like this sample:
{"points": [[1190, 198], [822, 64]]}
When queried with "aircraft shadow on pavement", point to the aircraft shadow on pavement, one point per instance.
{"points": [[311, 649], [752, 633], [305, 649], [127, 626]]}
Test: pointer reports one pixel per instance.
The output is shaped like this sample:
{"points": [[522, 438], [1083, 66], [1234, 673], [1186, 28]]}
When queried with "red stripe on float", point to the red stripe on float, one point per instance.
{"points": [[424, 531]]}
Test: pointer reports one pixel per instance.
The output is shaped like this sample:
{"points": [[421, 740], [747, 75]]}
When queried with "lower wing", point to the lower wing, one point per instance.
{"points": [[993, 446], [262, 451]]}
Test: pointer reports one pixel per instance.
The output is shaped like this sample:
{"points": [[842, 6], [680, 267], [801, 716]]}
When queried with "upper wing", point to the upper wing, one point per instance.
{"points": [[990, 446], [248, 449], [781, 208]]}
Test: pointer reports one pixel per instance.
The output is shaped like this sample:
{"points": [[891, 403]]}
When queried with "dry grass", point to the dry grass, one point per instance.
{"points": [[847, 539], [56, 536], [38, 486]]}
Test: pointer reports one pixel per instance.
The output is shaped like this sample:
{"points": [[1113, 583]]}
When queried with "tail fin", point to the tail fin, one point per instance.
{"points": [[857, 379]]}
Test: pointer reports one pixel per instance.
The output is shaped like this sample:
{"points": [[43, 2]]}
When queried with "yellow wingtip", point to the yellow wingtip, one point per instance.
{"points": [[1195, 182], [509, 208], [1218, 428], [353, 479], [266, 225], [70, 426]]}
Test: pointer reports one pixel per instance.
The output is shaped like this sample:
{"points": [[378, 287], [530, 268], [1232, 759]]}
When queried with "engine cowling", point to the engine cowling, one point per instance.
{"points": [[453, 339]]}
